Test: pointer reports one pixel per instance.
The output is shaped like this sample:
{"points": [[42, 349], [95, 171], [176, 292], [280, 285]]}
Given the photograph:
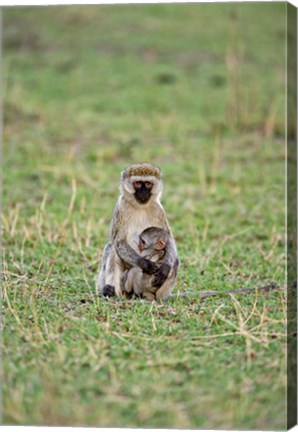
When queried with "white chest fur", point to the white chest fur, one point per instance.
{"points": [[137, 224]]}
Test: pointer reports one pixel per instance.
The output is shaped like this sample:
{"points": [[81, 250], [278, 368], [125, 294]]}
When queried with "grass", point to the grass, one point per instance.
{"points": [[198, 90]]}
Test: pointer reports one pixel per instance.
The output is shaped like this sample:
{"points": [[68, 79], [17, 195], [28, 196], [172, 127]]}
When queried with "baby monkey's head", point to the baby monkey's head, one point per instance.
{"points": [[153, 239]]}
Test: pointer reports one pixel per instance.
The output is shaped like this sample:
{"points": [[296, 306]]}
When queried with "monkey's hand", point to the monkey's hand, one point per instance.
{"points": [[161, 275], [147, 266]]}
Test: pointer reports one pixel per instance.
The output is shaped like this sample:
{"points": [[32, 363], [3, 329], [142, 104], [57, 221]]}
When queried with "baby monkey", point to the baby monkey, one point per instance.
{"points": [[152, 245]]}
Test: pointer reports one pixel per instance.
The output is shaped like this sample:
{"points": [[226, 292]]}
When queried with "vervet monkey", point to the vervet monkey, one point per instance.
{"points": [[152, 245], [138, 207]]}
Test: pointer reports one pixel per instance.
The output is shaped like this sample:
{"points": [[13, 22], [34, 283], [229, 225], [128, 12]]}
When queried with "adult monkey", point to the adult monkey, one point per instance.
{"points": [[138, 207]]}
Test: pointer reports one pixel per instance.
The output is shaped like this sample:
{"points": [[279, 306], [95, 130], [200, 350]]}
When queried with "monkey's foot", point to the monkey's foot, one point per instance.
{"points": [[127, 294], [108, 291]]}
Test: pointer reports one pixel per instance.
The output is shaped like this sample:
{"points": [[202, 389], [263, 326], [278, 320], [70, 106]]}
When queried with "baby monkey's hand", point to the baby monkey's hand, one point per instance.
{"points": [[161, 275], [147, 266]]}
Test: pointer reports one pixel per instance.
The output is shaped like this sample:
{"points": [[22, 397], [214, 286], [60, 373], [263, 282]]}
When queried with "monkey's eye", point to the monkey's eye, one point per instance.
{"points": [[148, 185], [137, 184], [142, 244]]}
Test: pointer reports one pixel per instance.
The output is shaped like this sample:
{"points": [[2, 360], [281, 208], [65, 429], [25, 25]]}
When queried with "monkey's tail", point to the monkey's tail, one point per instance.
{"points": [[211, 293]]}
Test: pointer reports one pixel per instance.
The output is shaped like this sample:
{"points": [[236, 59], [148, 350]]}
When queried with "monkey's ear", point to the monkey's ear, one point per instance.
{"points": [[160, 244]]}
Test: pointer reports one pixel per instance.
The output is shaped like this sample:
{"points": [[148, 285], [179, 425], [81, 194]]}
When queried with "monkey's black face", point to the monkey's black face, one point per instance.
{"points": [[142, 191]]}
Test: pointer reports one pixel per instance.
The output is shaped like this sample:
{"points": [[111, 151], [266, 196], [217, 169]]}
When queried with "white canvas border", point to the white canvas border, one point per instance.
{"points": [[94, 2]]}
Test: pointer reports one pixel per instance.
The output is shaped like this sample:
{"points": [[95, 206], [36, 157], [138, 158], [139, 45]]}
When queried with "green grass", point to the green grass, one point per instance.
{"points": [[199, 91]]}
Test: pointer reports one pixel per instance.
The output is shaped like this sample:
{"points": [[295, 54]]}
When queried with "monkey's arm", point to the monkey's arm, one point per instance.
{"points": [[132, 259], [169, 266]]}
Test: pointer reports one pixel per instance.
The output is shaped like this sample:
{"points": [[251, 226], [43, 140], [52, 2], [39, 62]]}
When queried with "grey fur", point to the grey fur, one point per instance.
{"points": [[129, 219]]}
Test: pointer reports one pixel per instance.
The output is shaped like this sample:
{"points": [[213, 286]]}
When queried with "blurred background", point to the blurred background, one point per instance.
{"points": [[197, 89]]}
